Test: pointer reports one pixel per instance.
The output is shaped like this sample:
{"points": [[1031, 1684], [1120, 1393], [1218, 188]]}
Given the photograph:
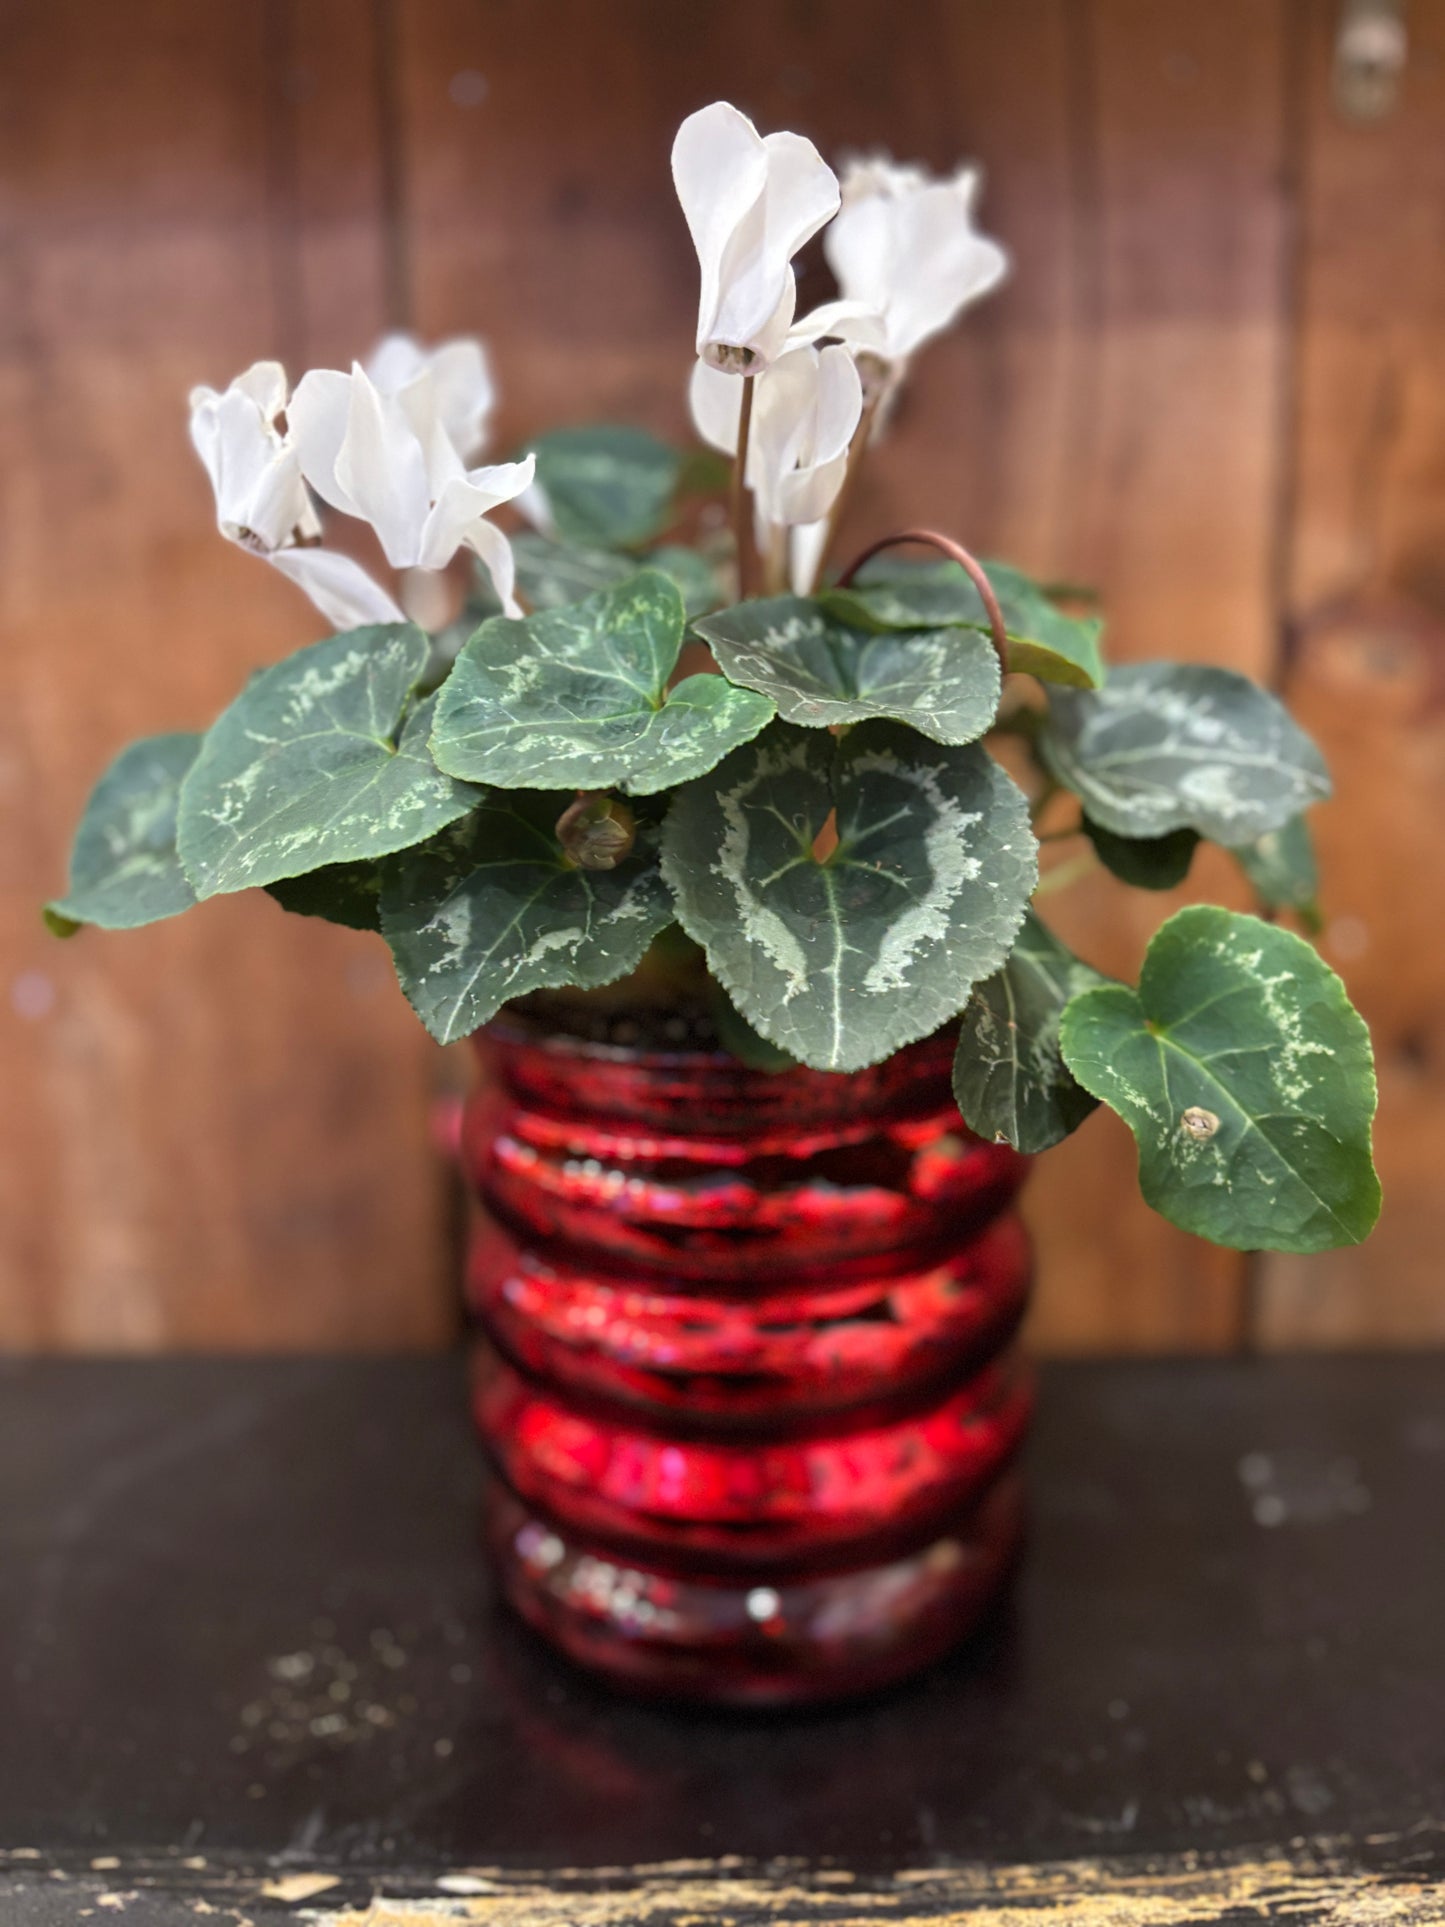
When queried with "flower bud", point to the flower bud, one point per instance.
{"points": [[597, 831]]}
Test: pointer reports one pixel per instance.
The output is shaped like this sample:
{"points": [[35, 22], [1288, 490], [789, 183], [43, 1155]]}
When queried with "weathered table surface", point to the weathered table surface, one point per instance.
{"points": [[257, 1668]]}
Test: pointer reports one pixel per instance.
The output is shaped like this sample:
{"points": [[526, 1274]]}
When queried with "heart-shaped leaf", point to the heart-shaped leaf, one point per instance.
{"points": [[551, 574], [1171, 746], [1146, 862], [821, 670], [840, 955], [896, 593], [321, 759], [1247, 1079], [124, 871], [1009, 1076], [610, 487], [578, 698], [1281, 868], [493, 908], [344, 893]]}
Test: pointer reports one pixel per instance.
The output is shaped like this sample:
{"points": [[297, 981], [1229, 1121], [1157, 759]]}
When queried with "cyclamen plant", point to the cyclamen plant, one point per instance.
{"points": [[722, 767]]}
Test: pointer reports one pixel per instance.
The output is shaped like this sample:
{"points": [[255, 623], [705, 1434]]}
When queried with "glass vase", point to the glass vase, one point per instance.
{"points": [[748, 1375]]}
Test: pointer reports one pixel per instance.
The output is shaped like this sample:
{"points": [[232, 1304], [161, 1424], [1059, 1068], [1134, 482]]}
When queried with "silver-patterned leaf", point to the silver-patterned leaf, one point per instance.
{"points": [[1009, 1075], [1170, 746], [578, 698], [124, 871], [611, 487], [321, 759], [1247, 1079], [821, 670], [551, 574], [894, 592], [840, 958], [492, 908], [1282, 870]]}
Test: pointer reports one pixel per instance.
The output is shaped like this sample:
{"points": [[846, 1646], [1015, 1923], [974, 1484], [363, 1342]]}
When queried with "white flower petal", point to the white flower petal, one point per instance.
{"points": [[720, 171], [807, 494], [806, 548], [261, 500], [317, 418], [382, 468], [495, 551], [340, 588], [716, 401], [839, 404], [750, 205], [907, 246], [465, 393], [854, 322]]}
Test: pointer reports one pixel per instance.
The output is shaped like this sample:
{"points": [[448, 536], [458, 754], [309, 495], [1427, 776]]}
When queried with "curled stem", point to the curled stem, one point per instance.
{"points": [[956, 552], [737, 493]]}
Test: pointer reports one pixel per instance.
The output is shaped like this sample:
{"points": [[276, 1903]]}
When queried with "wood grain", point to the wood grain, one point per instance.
{"points": [[1210, 389], [215, 1130], [1366, 587]]}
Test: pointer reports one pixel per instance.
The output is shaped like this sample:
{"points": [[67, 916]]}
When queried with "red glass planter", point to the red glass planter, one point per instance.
{"points": [[750, 1383]]}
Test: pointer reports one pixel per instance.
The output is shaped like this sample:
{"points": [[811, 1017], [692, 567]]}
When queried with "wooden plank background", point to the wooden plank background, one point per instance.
{"points": [[1214, 388]]}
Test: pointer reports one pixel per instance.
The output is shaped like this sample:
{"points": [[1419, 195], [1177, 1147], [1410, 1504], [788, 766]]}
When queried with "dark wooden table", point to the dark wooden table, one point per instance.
{"points": [[256, 1666]]}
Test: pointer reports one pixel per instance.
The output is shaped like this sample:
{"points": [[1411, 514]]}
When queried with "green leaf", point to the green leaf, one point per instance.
{"points": [[611, 488], [552, 574], [345, 893], [841, 960], [1247, 1079], [1009, 1076], [821, 670], [321, 759], [894, 593], [1172, 746], [1281, 867], [124, 871], [701, 586], [1146, 862], [492, 908], [578, 697], [736, 1035]]}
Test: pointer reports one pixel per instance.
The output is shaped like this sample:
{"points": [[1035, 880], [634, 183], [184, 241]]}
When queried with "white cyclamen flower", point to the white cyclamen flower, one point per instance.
{"points": [[750, 202], [905, 247], [389, 460], [806, 409], [460, 378], [261, 499]]}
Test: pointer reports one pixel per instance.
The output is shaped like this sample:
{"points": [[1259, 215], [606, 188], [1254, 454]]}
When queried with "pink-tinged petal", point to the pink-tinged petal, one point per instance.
{"points": [[720, 171], [340, 588], [716, 401], [382, 468], [317, 424], [488, 542]]}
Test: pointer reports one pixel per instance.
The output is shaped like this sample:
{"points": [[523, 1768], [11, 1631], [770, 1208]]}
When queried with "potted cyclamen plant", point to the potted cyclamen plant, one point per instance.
{"points": [[709, 848]]}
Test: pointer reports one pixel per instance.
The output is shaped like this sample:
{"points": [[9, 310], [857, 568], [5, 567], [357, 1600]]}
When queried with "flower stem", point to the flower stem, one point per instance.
{"points": [[738, 496], [1064, 874], [956, 552]]}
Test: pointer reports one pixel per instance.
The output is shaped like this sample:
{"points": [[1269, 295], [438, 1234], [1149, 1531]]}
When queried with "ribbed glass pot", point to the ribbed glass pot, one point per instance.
{"points": [[748, 1377]]}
